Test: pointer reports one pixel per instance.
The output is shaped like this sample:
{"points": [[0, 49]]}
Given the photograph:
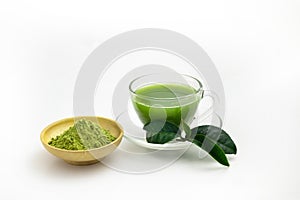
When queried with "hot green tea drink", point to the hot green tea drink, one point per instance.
{"points": [[170, 102]]}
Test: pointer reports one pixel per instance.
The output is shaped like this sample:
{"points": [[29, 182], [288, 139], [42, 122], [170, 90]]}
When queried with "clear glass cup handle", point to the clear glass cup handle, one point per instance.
{"points": [[214, 107]]}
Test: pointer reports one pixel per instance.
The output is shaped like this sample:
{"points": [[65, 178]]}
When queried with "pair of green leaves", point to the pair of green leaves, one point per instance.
{"points": [[211, 139]]}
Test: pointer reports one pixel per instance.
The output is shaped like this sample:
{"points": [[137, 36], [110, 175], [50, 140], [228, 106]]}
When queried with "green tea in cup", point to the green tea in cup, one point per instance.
{"points": [[164, 100]]}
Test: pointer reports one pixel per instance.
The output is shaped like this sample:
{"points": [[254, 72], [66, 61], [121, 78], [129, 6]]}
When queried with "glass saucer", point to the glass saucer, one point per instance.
{"points": [[133, 131]]}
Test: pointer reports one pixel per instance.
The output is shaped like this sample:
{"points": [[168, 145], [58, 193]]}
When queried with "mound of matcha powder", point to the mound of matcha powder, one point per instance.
{"points": [[83, 135]]}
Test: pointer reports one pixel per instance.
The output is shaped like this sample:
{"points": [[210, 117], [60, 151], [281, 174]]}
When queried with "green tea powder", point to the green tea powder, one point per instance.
{"points": [[83, 135]]}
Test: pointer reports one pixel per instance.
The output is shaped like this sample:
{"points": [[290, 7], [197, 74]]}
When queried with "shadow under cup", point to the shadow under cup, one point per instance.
{"points": [[156, 97]]}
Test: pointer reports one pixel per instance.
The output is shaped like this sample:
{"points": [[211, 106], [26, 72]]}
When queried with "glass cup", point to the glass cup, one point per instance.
{"points": [[159, 97]]}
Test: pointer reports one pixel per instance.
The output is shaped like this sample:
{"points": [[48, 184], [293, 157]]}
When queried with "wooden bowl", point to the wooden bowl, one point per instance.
{"points": [[81, 157]]}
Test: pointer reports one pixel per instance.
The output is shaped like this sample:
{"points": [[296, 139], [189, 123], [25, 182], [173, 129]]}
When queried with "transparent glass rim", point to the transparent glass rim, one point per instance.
{"points": [[197, 91]]}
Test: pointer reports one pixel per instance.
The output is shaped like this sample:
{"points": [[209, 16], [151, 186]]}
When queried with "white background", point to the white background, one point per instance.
{"points": [[255, 46]]}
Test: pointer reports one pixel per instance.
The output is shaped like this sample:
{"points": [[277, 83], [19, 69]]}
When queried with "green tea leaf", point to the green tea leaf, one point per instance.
{"points": [[217, 135], [211, 139], [160, 132], [212, 148]]}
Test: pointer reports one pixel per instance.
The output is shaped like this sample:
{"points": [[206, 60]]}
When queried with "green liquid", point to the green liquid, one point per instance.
{"points": [[171, 102]]}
